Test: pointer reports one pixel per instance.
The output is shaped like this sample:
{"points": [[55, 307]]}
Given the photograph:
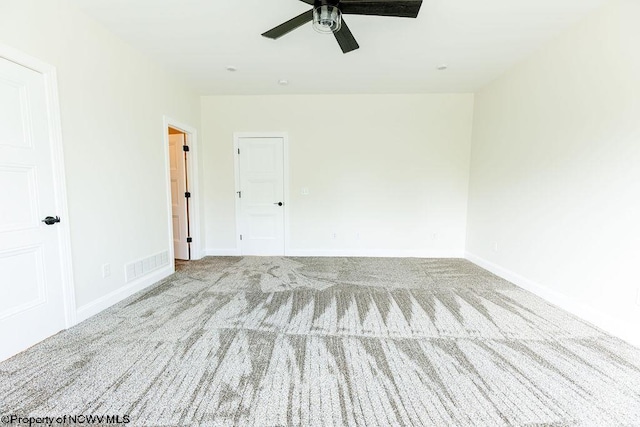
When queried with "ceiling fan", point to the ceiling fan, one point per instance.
{"points": [[327, 17]]}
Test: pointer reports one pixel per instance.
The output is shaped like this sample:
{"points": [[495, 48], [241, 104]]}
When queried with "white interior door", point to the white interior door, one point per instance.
{"points": [[31, 283], [261, 196], [178, 199]]}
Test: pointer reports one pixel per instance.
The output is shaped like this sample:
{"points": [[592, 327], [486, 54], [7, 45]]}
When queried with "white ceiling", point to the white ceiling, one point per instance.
{"points": [[197, 39]]}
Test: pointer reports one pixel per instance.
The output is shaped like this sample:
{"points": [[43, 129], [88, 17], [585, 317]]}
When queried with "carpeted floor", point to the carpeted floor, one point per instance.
{"points": [[331, 342]]}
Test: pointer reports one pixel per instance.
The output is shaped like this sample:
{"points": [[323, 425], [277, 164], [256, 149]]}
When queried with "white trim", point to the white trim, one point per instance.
{"points": [[624, 330], [223, 252], [194, 185], [59, 182], [354, 253], [236, 170], [287, 207], [373, 253], [236, 186], [102, 303]]}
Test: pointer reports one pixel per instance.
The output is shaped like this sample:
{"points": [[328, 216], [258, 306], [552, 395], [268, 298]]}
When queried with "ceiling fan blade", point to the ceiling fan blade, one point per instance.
{"points": [[345, 39], [399, 8], [311, 2], [290, 25]]}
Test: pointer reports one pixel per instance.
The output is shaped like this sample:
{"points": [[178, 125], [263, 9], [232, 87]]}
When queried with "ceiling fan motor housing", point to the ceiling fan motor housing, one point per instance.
{"points": [[319, 3]]}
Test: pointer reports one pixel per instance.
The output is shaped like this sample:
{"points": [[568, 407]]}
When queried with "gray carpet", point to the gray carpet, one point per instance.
{"points": [[331, 342]]}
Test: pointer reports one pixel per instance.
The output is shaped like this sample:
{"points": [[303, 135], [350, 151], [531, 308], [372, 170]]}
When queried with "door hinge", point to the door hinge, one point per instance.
{"points": [[189, 240], [241, 237], [187, 195], [239, 194], [185, 148], [238, 151]]}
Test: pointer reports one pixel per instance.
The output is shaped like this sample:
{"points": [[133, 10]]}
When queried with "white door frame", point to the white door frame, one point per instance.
{"points": [[194, 187], [57, 158], [236, 167]]}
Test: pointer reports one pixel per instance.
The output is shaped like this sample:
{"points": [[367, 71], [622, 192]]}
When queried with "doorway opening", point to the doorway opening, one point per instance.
{"points": [[180, 195], [182, 191]]}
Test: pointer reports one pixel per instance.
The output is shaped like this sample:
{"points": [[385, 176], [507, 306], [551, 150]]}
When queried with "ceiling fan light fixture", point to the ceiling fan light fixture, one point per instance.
{"points": [[327, 19]]}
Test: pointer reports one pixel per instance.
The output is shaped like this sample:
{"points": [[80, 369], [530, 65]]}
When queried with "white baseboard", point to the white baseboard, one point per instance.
{"points": [[222, 252], [372, 253], [102, 303], [616, 327], [363, 253]]}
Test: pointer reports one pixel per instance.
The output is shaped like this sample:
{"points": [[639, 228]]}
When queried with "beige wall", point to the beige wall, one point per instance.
{"points": [[391, 168], [555, 175], [112, 101]]}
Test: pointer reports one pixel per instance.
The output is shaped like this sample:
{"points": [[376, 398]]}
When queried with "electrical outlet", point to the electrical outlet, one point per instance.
{"points": [[304, 191], [334, 235], [106, 271], [434, 236]]}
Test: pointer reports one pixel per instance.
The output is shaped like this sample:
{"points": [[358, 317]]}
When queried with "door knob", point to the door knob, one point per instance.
{"points": [[279, 204], [51, 220]]}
